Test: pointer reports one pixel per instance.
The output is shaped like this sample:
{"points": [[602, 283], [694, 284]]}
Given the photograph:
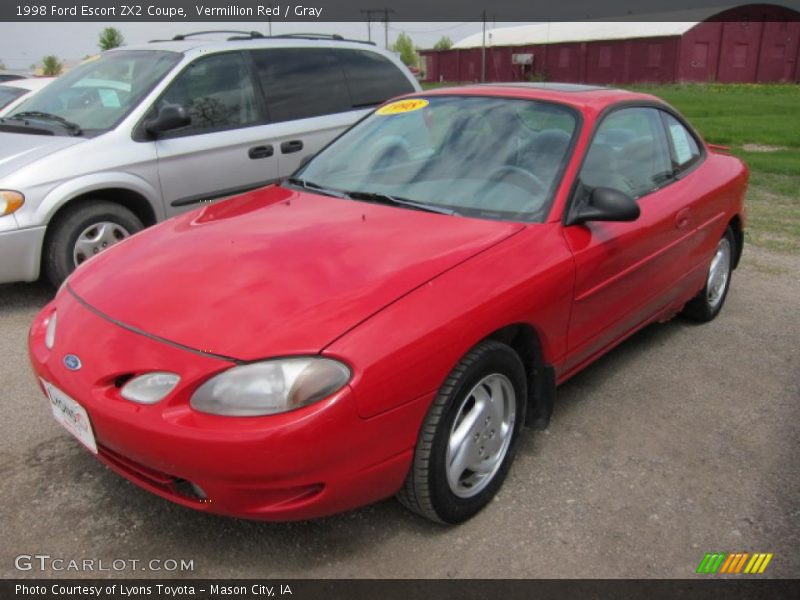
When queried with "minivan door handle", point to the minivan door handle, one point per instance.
{"points": [[260, 152], [291, 146]]}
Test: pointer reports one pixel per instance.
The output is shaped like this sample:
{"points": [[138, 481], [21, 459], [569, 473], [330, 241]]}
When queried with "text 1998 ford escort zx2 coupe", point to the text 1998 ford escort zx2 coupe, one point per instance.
{"points": [[386, 320]]}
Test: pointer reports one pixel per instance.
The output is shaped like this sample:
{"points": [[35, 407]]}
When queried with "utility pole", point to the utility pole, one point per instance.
{"points": [[386, 12], [483, 50], [368, 12], [368, 15]]}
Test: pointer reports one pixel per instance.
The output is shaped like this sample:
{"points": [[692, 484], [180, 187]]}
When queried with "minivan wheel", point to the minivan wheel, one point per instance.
{"points": [[82, 231], [708, 303], [466, 444]]}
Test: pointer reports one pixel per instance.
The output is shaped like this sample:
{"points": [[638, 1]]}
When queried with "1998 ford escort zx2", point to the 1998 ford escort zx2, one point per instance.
{"points": [[386, 320]]}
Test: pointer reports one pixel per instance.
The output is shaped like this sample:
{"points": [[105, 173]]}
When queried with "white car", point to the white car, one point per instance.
{"points": [[16, 91]]}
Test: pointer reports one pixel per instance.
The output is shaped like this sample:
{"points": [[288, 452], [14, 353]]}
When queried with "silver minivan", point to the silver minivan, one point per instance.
{"points": [[142, 133]]}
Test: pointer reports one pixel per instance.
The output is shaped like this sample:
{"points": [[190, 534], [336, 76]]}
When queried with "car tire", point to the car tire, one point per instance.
{"points": [[61, 247], [708, 303], [436, 487]]}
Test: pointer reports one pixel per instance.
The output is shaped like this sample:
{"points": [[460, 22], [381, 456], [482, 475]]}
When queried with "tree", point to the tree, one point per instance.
{"points": [[51, 67], [444, 43], [404, 46], [110, 37]]}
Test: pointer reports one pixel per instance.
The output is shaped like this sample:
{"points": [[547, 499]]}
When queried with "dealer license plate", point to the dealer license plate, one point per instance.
{"points": [[71, 415]]}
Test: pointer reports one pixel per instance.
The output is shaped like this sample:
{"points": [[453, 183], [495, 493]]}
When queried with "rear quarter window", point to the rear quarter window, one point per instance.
{"points": [[371, 78]]}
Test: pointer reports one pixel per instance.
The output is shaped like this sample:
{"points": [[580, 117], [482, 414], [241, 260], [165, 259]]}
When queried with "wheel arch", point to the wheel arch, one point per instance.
{"points": [[737, 226], [526, 342]]}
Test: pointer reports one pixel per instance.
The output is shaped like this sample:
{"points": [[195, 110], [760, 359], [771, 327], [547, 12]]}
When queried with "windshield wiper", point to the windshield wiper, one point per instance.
{"points": [[310, 185], [396, 201], [45, 116]]}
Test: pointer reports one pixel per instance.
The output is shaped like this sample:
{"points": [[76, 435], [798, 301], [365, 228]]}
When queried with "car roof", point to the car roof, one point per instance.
{"points": [[579, 96], [185, 46]]}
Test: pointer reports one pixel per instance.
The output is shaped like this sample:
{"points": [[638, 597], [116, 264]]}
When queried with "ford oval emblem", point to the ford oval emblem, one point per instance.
{"points": [[72, 362]]}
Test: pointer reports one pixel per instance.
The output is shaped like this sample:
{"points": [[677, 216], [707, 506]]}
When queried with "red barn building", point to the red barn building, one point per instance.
{"points": [[751, 43]]}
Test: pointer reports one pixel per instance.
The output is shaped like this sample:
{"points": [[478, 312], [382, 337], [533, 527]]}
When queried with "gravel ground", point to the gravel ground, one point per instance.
{"points": [[682, 441]]}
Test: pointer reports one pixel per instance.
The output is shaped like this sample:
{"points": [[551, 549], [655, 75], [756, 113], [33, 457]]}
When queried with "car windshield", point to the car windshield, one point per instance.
{"points": [[100, 92], [486, 157], [8, 94]]}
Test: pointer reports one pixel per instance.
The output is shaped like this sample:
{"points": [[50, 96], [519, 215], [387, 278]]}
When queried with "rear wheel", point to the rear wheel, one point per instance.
{"points": [[708, 303], [466, 444], [82, 231]]}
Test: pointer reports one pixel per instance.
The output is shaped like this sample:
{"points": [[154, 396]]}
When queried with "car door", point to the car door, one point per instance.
{"points": [[227, 148], [626, 272], [307, 99]]}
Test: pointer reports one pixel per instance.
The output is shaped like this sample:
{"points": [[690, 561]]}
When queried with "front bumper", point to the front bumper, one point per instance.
{"points": [[307, 463], [20, 251]]}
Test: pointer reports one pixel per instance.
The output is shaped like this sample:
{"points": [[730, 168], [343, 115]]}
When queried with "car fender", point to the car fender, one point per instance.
{"points": [[68, 190], [407, 350]]}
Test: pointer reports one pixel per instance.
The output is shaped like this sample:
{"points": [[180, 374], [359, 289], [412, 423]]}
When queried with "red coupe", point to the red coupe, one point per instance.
{"points": [[387, 320]]}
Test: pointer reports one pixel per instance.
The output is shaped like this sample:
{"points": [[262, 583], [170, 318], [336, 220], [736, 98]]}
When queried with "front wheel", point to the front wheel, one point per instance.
{"points": [[466, 444], [82, 231], [708, 303]]}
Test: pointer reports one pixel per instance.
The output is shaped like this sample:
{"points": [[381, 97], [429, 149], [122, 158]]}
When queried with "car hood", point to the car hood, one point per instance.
{"points": [[18, 150], [276, 271]]}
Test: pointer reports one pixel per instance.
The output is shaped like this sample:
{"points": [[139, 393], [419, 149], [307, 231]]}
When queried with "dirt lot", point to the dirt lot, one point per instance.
{"points": [[684, 440]]}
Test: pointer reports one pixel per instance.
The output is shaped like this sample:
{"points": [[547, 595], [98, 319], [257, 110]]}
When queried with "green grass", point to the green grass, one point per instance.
{"points": [[736, 115]]}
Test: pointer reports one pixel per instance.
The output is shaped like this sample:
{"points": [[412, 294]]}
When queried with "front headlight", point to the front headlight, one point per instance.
{"points": [[10, 201], [270, 387]]}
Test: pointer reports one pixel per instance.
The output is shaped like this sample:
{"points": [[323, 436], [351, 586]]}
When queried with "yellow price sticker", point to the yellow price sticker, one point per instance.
{"points": [[402, 106]]}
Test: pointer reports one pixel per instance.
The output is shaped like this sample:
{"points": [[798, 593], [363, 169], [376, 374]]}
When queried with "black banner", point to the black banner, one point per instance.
{"points": [[464, 589], [361, 10]]}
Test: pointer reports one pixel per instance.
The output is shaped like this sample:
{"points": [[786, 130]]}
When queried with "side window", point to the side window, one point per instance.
{"points": [[372, 78], [301, 82], [629, 153], [218, 93], [685, 151]]}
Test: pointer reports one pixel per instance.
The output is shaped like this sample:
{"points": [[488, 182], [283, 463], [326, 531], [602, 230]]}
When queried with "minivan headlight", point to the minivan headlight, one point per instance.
{"points": [[10, 201], [270, 387]]}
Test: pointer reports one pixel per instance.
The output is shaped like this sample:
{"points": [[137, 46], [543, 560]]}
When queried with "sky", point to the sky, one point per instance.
{"points": [[23, 44]]}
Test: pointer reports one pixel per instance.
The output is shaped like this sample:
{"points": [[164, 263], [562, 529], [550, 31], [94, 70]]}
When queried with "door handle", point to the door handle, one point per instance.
{"points": [[682, 219], [260, 152], [291, 146]]}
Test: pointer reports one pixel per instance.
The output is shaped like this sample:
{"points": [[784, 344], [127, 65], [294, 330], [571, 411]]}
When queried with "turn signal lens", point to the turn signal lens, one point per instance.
{"points": [[150, 387], [10, 201], [50, 332]]}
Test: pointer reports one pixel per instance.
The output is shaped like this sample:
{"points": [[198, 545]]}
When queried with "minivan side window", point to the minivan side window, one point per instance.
{"points": [[301, 82], [629, 153], [685, 151], [217, 91], [372, 78]]}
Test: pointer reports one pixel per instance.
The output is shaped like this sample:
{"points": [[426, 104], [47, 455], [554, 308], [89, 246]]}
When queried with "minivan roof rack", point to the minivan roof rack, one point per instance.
{"points": [[255, 35], [240, 35], [320, 36]]}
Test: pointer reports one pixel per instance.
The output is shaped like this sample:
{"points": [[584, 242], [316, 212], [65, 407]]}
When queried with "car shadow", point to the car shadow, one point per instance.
{"points": [[20, 297]]}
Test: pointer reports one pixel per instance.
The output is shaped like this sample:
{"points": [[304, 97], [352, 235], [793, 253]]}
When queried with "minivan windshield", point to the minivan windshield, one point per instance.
{"points": [[97, 94], [486, 157]]}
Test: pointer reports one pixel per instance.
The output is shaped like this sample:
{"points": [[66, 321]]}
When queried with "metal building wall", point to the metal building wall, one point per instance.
{"points": [[754, 43]]}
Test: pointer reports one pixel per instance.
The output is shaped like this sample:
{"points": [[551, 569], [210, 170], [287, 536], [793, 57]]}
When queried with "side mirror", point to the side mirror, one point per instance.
{"points": [[169, 117], [602, 204]]}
